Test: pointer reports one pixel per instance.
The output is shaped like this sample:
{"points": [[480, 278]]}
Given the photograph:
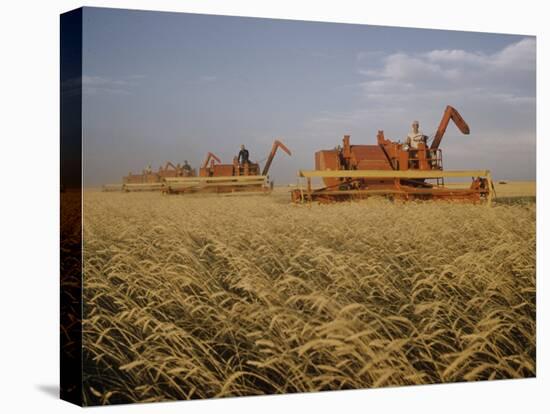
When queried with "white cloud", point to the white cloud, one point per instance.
{"points": [[520, 56], [510, 69], [404, 67], [94, 85], [454, 56], [409, 80]]}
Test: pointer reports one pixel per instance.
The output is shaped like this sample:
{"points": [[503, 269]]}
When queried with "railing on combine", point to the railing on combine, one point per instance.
{"points": [[437, 164], [433, 157], [226, 184], [396, 175]]}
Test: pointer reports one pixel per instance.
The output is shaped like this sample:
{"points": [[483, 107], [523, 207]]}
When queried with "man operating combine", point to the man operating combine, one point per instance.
{"points": [[242, 158], [186, 167], [415, 137]]}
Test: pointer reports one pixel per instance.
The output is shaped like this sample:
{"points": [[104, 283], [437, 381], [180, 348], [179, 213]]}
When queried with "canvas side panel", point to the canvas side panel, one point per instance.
{"points": [[71, 206]]}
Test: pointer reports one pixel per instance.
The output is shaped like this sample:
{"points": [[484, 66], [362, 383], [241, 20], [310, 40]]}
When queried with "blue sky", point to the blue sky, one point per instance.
{"points": [[173, 86]]}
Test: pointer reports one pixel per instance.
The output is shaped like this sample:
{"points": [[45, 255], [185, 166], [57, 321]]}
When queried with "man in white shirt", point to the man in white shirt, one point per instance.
{"points": [[415, 137]]}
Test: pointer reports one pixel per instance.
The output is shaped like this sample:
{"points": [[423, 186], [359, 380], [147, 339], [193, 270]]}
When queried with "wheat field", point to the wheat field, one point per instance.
{"points": [[199, 297]]}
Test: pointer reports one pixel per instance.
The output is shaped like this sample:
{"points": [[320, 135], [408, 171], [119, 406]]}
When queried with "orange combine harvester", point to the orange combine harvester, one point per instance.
{"points": [[393, 169], [154, 180], [216, 177], [149, 180], [213, 177]]}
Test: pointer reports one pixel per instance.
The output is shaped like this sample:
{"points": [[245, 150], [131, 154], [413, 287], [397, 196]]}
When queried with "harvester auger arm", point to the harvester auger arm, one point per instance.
{"points": [[169, 164], [450, 113], [210, 156], [276, 144]]}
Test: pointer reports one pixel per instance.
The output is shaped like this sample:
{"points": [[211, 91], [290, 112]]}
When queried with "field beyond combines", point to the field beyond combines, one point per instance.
{"points": [[198, 297]]}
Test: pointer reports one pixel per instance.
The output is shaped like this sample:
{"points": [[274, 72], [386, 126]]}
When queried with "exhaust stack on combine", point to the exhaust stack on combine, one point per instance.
{"points": [[411, 171]]}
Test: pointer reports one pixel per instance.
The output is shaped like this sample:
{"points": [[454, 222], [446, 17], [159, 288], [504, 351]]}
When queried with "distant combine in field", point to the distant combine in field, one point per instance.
{"points": [[242, 175]]}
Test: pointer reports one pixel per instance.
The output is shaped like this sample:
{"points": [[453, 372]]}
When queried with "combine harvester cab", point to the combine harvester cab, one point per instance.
{"points": [[394, 170], [215, 177]]}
